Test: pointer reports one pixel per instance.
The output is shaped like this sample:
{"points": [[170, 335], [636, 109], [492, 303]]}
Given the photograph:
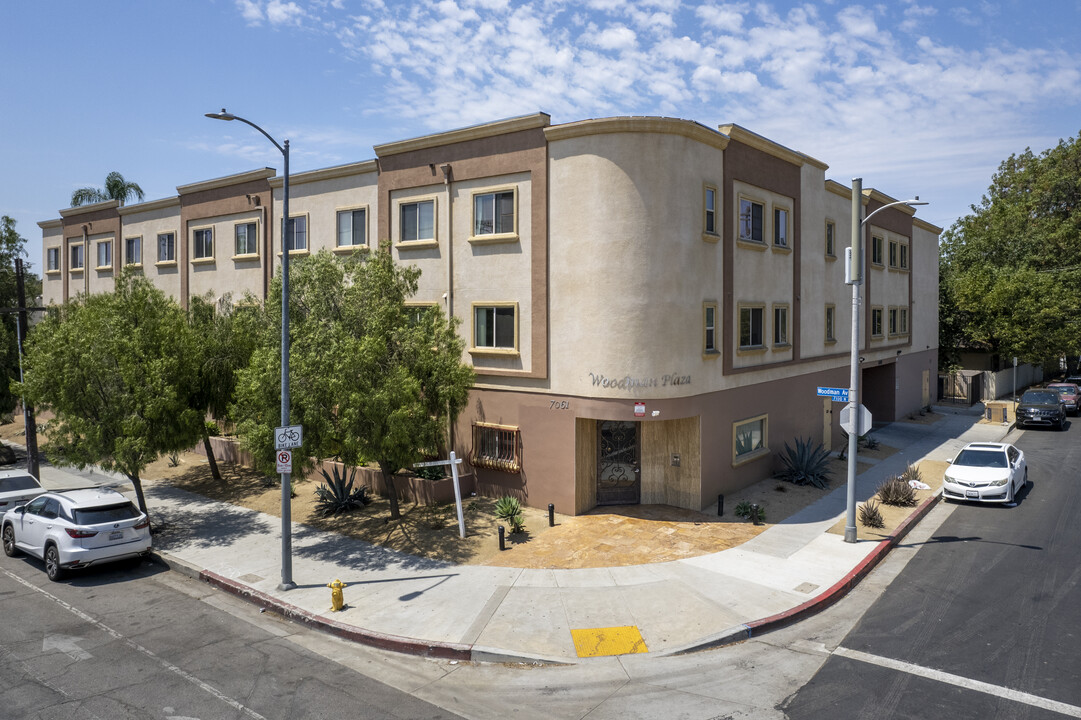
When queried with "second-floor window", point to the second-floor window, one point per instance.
{"points": [[876, 322], [750, 327], [831, 320], [166, 247], [494, 327], [202, 243], [133, 251], [246, 239], [52, 259], [876, 250], [831, 242], [77, 257], [710, 323], [298, 233], [105, 254], [711, 211], [493, 213], [780, 227], [417, 221], [352, 228], [750, 221], [780, 325]]}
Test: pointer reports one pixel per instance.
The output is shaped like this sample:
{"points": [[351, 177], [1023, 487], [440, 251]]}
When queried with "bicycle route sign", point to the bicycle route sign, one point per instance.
{"points": [[289, 437]]}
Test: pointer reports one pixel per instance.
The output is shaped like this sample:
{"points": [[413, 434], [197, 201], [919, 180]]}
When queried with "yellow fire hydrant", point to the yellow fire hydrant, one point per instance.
{"points": [[337, 599]]}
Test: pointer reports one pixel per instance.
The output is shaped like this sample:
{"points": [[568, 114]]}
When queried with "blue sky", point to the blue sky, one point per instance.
{"points": [[918, 98]]}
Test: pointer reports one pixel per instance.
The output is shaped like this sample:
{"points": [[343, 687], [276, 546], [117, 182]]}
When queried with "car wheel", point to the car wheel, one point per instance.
{"points": [[9, 541], [1026, 482], [52, 563]]}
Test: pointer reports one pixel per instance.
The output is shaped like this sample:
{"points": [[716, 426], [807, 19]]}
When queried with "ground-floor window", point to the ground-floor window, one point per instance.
{"points": [[496, 447], [749, 437]]}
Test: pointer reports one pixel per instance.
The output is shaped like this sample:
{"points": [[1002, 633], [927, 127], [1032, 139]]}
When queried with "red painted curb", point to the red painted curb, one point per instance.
{"points": [[845, 584], [397, 643]]}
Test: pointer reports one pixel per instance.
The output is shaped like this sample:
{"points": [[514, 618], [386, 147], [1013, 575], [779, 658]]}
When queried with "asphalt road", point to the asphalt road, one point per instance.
{"points": [[984, 621], [119, 643]]}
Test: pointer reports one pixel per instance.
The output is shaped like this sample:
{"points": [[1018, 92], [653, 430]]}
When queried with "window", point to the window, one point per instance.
{"points": [[892, 321], [904, 256], [77, 257], [780, 227], [166, 247], [105, 254], [749, 437], [710, 220], [780, 325], [495, 327], [876, 322], [352, 228], [750, 221], [133, 251], [750, 327], [876, 250], [831, 242], [297, 239], [52, 259], [246, 238], [496, 447], [831, 323], [709, 322], [202, 245], [902, 321], [893, 253], [493, 214], [415, 312], [417, 221]]}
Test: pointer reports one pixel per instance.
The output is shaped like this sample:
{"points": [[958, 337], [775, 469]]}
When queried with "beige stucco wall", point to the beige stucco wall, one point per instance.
{"points": [[52, 282], [101, 277], [630, 269], [228, 273], [924, 260], [822, 277], [321, 198], [148, 224]]}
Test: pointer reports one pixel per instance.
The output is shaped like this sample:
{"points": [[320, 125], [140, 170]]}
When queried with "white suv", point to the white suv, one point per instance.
{"points": [[76, 528]]}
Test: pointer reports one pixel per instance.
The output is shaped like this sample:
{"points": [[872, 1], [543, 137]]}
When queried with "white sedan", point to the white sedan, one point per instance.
{"points": [[75, 529], [986, 472], [17, 487]]}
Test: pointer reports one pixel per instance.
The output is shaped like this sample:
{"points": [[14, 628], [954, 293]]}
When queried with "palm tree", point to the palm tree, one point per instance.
{"points": [[116, 188]]}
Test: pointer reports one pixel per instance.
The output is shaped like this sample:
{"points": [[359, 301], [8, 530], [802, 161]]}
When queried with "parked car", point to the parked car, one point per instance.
{"points": [[986, 472], [1071, 395], [1041, 407], [76, 529], [17, 487]]}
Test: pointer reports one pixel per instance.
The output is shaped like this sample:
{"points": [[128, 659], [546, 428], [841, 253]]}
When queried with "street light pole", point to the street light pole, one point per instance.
{"points": [[286, 507], [855, 279]]}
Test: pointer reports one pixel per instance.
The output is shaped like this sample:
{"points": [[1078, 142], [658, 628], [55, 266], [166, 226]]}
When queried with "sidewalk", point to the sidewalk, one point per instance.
{"points": [[481, 613]]}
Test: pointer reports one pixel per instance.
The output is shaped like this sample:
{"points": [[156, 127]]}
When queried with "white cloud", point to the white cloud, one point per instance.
{"points": [[250, 11], [616, 37], [283, 13]]}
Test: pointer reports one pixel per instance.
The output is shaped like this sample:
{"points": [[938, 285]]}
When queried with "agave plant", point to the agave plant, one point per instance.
{"points": [[337, 494], [509, 509], [896, 491], [806, 464], [871, 515]]}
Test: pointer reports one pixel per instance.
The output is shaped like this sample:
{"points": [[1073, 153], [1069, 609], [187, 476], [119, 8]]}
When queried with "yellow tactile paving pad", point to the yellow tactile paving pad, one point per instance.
{"points": [[599, 642]]}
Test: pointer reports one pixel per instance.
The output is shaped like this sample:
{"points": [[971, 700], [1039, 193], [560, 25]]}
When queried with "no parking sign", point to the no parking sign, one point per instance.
{"points": [[285, 461]]}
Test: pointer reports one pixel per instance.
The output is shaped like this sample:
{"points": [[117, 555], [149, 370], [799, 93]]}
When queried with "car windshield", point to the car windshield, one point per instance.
{"points": [[1065, 390], [1041, 397], [109, 513], [982, 458], [19, 482]]}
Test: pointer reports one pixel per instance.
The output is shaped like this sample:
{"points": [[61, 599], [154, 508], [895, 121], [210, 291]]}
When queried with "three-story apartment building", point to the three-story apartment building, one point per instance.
{"points": [[649, 304]]}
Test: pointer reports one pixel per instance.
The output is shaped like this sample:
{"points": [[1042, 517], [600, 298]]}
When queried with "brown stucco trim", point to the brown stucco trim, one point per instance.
{"points": [[330, 173], [462, 135], [79, 223], [753, 166], [899, 220], [522, 151], [765, 145]]}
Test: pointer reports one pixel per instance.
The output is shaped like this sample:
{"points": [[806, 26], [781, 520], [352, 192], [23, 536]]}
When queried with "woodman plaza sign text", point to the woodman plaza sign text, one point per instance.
{"points": [[635, 383]]}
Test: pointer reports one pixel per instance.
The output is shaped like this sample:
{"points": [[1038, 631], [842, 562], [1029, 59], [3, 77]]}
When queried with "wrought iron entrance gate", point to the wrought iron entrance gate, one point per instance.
{"points": [[618, 471]]}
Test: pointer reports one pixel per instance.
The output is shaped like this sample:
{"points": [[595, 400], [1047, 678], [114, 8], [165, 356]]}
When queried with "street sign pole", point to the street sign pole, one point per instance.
{"points": [[856, 275], [454, 462]]}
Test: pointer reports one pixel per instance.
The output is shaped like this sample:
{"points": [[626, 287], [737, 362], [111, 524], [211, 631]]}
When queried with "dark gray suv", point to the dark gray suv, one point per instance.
{"points": [[1041, 407]]}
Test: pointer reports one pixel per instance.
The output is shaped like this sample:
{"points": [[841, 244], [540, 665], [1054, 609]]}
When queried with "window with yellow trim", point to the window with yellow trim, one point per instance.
{"points": [[749, 437]]}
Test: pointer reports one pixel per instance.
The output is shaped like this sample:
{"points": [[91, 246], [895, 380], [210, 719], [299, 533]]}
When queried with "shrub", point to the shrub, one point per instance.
{"points": [[337, 494], [806, 464], [912, 472], [432, 472], [869, 441], [509, 510], [896, 491], [174, 459], [871, 516], [746, 510]]}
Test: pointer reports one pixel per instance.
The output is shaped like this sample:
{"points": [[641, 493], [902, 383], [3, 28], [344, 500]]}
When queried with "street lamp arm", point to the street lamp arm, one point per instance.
{"points": [[224, 115], [915, 201]]}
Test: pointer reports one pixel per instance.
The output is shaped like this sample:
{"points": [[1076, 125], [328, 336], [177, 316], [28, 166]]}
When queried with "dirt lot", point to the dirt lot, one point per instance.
{"points": [[604, 537]]}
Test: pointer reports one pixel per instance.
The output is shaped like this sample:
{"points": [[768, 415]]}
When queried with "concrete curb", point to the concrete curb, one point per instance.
{"points": [[817, 604]]}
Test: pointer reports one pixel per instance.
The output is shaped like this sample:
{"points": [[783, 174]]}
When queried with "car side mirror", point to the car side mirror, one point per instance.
{"points": [[949, 461], [20, 510]]}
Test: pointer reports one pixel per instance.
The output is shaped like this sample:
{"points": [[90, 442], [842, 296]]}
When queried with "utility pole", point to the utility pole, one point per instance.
{"points": [[28, 409]]}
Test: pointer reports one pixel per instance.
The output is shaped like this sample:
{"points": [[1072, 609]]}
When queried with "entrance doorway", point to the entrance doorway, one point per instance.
{"points": [[619, 479]]}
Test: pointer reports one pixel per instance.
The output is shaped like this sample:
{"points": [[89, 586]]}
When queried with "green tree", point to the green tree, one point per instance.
{"points": [[116, 369], [371, 379], [116, 188], [1010, 272], [12, 246], [226, 335]]}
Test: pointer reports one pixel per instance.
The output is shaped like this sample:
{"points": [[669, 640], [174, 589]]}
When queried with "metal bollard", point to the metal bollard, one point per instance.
{"points": [[754, 514], [551, 515], [720, 505], [502, 539]]}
